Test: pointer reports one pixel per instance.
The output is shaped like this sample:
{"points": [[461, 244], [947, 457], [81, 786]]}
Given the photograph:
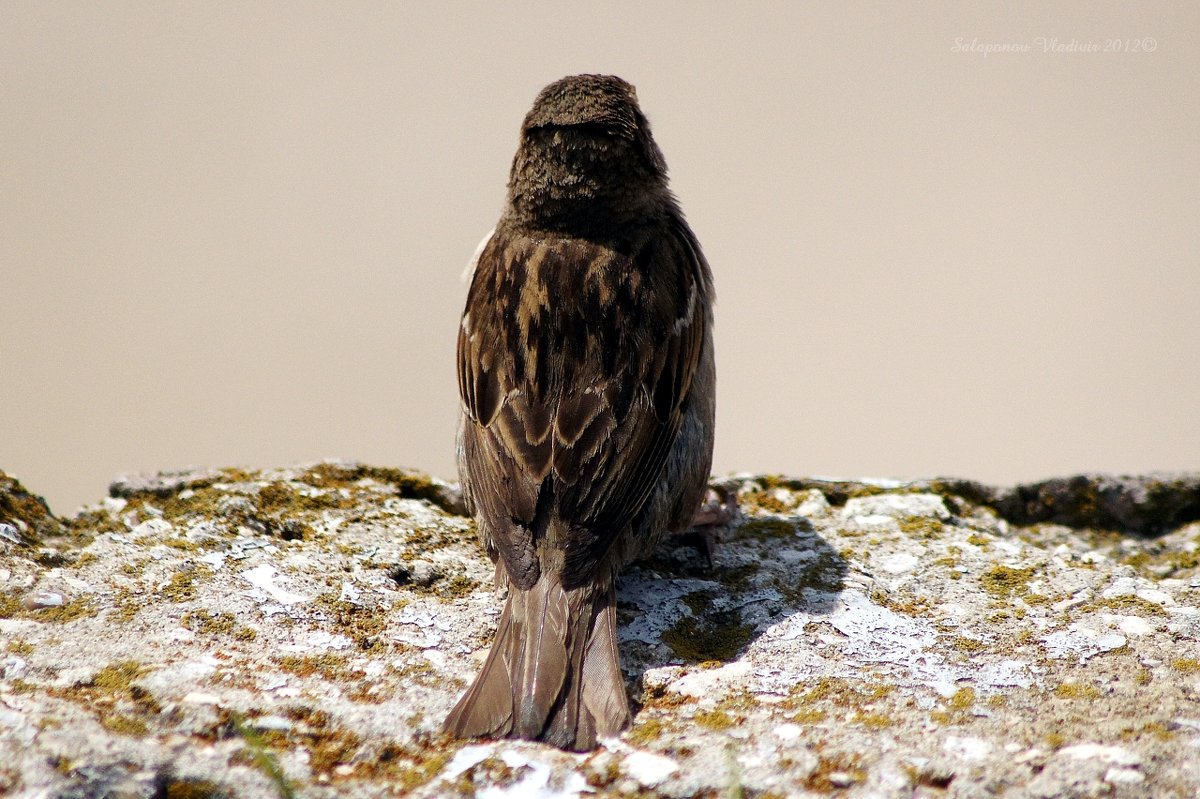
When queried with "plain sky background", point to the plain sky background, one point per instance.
{"points": [[233, 233]]}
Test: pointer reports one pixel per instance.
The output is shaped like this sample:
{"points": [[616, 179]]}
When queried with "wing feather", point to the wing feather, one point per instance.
{"points": [[560, 398]]}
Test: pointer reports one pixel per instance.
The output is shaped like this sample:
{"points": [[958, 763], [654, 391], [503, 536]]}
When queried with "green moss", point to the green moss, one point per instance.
{"points": [[25, 511], [333, 748], [765, 501], [192, 789], [951, 560], [657, 696], [1075, 690], [117, 677], [922, 527], [202, 502], [825, 573], [873, 721], [698, 601], [963, 699], [51, 558], [10, 606], [808, 715], [1132, 603], [120, 706], [969, 646], [181, 587], [460, 586], [1154, 729], [832, 769], [692, 641], [287, 499], [1155, 561], [434, 582], [765, 527], [18, 647], [80, 608], [738, 578], [409, 484], [647, 730], [599, 775], [413, 770], [125, 606], [261, 757], [124, 725], [329, 665], [978, 540], [957, 709], [201, 621], [90, 523], [205, 623], [1006, 582], [838, 692], [135, 568], [235, 498], [329, 746], [714, 719], [419, 671], [363, 625]]}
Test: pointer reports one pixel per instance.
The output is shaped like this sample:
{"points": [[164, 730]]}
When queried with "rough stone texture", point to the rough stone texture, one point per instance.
{"points": [[302, 632], [24, 517]]}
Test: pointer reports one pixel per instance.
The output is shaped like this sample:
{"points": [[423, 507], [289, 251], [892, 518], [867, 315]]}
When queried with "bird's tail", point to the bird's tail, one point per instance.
{"points": [[553, 672]]}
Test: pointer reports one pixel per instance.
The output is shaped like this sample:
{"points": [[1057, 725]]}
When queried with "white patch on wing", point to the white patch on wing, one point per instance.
{"points": [[469, 272], [686, 319]]}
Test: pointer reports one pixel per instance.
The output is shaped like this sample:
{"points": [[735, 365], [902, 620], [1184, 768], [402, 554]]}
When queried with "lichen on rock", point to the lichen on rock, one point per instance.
{"points": [[302, 632], [25, 518]]}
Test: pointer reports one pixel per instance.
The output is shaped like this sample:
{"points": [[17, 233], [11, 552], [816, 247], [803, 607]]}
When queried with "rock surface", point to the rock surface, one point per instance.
{"points": [[302, 632]]}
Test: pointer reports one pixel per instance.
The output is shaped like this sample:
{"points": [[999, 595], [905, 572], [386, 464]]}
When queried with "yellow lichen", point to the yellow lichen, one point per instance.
{"points": [[1007, 582], [1072, 690], [18, 647], [1186, 665], [963, 699], [1132, 603], [835, 771]]}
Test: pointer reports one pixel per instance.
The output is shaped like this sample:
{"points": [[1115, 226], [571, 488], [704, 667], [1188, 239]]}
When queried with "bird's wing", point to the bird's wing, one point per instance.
{"points": [[575, 361]]}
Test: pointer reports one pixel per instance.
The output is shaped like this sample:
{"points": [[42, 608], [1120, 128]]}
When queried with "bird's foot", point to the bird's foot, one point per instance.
{"points": [[715, 515]]}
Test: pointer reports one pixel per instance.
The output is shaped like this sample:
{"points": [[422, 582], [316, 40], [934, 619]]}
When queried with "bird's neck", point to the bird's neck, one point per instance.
{"points": [[583, 189]]}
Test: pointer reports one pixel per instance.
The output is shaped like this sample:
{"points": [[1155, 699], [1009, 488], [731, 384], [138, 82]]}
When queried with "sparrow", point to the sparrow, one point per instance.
{"points": [[586, 376]]}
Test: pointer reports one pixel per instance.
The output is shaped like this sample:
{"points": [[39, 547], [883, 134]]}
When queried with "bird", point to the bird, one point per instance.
{"points": [[587, 384]]}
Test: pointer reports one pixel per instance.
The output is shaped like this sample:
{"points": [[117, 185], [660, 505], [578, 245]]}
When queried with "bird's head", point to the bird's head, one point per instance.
{"points": [[586, 156]]}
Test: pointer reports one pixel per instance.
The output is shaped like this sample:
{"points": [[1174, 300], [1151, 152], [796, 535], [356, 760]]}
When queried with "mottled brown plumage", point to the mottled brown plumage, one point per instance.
{"points": [[586, 376]]}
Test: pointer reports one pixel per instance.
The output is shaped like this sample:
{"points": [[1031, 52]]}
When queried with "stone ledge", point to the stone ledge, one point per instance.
{"points": [[303, 631]]}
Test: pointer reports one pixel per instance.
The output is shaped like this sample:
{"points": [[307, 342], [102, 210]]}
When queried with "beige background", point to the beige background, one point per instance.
{"points": [[232, 233]]}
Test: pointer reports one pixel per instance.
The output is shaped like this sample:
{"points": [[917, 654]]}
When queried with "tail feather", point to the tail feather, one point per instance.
{"points": [[603, 685], [485, 710], [542, 638], [553, 673]]}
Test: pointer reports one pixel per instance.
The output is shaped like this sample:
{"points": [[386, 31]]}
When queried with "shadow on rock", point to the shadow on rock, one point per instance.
{"points": [[674, 608]]}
